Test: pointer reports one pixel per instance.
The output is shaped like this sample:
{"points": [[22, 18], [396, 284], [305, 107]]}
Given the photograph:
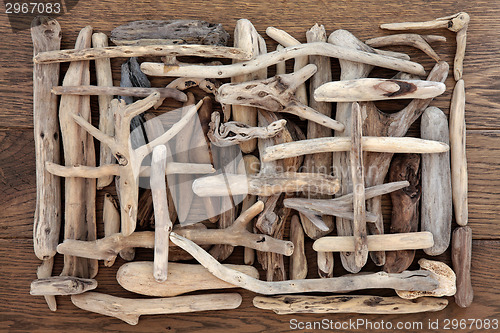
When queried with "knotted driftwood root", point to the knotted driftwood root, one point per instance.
{"points": [[298, 260], [420, 42], [416, 280], [291, 304], [461, 252], [62, 285], [436, 208], [137, 277], [405, 208], [129, 310]]}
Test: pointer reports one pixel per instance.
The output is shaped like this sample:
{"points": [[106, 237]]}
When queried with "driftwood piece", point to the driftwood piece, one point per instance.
{"points": [[457, 23], [62, 285], [458, 154], [137, 277], [46, 36], [298, 260], [45, 271], [442, 273], [416, 280], [405, 208], [436, 209], [252, 167], [275, 94], [111, 220], [370, 89], [122, 91], [420, 42], [175, 32], [291, 304], [265, 185], [387, 242], [461, 252], [272, 58], [129, 310], [232, 133]]}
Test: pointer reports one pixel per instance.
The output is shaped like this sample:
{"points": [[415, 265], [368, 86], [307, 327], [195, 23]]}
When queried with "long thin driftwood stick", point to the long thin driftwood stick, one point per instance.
{"points": [[62, 285], [252, 167], [102, 91], [110, 219], [45, 271], [418, 41], [461, 253], [298, 260]]}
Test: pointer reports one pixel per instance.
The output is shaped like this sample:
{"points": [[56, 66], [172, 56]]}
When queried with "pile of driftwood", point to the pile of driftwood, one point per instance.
{"points": [[337, 168]]}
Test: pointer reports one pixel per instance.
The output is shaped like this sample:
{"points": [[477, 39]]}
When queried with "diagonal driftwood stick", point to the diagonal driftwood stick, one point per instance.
{"points": [[129, 310], [416, 280], [420, 42], [272, 58], [62, 285], [122, 91], [291, 304]]}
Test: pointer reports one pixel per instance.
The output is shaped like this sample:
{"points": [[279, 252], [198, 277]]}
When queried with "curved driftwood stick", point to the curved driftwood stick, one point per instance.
{"points": [[420, 42], [210, 51], [461, 252], [265, 185], [137, 277], [369, 144], [387, 242], [62, 285], [416, 280], [272, 58], [291, 304], [370, 89], [121, 91], [129, 310]]}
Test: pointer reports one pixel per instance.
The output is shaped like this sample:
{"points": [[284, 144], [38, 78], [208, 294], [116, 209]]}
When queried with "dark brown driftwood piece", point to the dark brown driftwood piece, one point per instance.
{"points": [[461, 252]]}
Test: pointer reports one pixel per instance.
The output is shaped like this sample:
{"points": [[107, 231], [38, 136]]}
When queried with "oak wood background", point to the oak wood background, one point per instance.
{"points": [[21, 312]]}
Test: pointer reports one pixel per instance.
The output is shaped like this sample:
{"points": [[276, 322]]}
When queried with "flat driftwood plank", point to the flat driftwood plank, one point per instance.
{"points": [[461, 252]]}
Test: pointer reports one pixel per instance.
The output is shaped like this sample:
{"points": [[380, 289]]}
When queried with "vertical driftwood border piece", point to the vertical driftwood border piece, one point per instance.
{"points": [[252, 166], [461, 253], [298, 260], [111, 220]]}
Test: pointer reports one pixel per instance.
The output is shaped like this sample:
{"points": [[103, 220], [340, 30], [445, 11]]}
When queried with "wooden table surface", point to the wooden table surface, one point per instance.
{"points": [[21, 312]]}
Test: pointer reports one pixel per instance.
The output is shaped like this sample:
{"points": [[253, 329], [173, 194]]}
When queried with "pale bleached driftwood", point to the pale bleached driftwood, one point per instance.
{"points": [[110, 219], [163, 225], [405, 208], [325, 264], [269, 59], [252, 167], [298, 260], [265, 185], [458, 154], [416, 280], [457, 23], [275, 94], [137, 277], [62, 285], [45, 271], [387, 242], [461, 252], [175, 32], [439, 271], [46, 36], [420, 42], [291, 304], [370, 89], [436, 208], [129, 310]]}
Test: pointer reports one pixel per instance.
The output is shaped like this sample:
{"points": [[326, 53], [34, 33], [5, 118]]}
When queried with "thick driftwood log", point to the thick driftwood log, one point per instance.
{"points": [[418, 41], [405, 208], [458, 154], [291, 304], [122, 91], [461, 252], [46, 36], [45, 271], [129, 310], [78, 147], [110, 219], [175, 32], [376, 90], [272, 58], [62, 285], [137, 277], [298, 260], [416, 280], [436, 209], [252, 167]]}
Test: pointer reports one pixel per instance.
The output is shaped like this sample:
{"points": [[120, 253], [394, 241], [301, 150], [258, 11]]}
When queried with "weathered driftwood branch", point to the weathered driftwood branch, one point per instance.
{"points": [[137, 277], [276, 94], [387, 242], [252, 167], [62, 285], [405, 208], [457, 23], [416, 280], [129, 310], [265, 185], [298, 260], [111, 220], [291, 304], [232, 133], [46, 36], [436, 209], [458, 154], [420, 42], [45, 271], [370, 89], [272, 58], [461, 252]]}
